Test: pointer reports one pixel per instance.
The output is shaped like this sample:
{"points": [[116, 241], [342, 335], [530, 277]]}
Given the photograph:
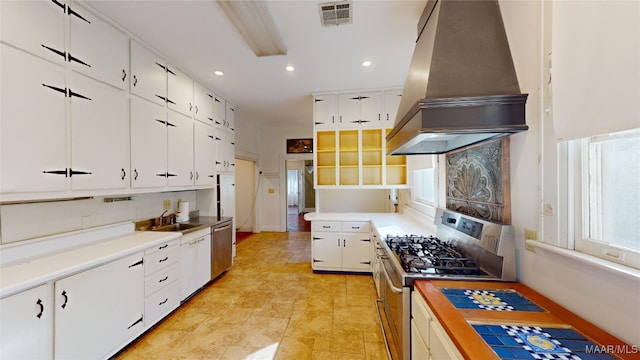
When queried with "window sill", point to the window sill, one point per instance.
{"points": [[611, 267]]}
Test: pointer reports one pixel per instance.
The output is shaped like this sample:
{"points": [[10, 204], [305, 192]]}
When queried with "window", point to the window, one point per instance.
{"points": [[609, 225], [424, 186], [423, 183]]}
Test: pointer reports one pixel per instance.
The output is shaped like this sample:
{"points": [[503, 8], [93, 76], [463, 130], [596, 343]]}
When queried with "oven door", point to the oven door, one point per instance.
{"points": [[396, 305], [377, 266]]}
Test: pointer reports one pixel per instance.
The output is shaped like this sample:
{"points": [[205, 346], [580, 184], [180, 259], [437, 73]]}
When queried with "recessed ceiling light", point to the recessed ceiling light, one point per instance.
{"points": [[290, 68], [366, 63], [218, 72]]}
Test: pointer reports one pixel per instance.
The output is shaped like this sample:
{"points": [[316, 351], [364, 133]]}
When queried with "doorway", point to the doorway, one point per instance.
{"points": [[300, 194]]}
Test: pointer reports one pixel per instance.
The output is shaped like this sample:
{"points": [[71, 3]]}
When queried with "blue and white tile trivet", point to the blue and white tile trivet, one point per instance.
{"points": [[487, 300], [540, 344]]}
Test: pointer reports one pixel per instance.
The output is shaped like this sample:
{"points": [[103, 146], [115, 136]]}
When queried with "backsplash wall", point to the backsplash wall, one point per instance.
{"points": [[28, 221]]}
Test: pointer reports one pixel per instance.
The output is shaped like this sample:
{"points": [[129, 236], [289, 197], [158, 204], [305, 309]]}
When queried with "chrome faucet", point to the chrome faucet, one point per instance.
{"points": [[160, 219]]}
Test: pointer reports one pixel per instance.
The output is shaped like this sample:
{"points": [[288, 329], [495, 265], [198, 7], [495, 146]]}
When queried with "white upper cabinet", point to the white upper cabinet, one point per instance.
{"points": [[100, 135], [219, 118], [204, 108], [230, 114], [148, 74], [35, 26], [180, 146], [204, 154], [98, 50], [348, 110], [180, 91], [32, 123], [360, 110], [391, 103], [371, 109], [324, 111], [148, 145]]}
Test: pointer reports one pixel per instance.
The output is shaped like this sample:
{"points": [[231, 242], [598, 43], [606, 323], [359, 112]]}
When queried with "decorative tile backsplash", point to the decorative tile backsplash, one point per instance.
{"points": [[478, 182]]}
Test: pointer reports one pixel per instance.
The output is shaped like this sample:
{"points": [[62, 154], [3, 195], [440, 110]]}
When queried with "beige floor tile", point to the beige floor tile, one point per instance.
{"points": [[309, 324], [262, 331], [236, 352], [355, 318], [295, 348]]}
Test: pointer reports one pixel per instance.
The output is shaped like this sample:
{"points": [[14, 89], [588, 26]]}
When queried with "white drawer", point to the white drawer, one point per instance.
{"points": [[356, 226], [162, 247], [161, 303], [161, 278], [160, 259], [420, 315], [325, 226]]}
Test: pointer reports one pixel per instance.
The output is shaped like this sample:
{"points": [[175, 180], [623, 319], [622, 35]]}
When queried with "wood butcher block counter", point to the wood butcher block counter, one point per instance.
{"points": [[464, 322]]}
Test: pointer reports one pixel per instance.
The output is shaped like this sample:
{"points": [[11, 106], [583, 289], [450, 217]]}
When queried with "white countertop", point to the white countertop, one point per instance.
{"points": [[384, 223], [29, 273]]}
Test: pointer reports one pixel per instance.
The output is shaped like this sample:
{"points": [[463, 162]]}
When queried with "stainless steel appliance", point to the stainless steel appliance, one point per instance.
{"points": [[221, 247], [464, 248]]}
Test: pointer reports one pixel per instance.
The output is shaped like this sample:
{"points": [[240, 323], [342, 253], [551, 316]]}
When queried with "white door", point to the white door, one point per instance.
{"points": [[324, 111], [98, 309], [25, 325], [148, 74], [179, 91], [203, 269], [148, 145], [203, 99], [356, 251], [349, 109], [99, 50], [32, 123], [180, 146], [371, 109], [34, 26], [391, 103], [230, 115], [220, 108], [326, 249], [100, 135], [204, 154]]}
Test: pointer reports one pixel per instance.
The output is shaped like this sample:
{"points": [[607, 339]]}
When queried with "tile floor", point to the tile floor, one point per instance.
{"points": [[270, 305]]}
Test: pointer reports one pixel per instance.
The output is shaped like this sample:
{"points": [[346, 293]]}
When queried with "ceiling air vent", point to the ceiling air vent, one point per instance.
{"points": [[335, 13]]}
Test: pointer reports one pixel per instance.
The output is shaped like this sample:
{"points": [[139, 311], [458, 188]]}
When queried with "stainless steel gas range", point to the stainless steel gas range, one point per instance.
{"points": [[464, 248]]}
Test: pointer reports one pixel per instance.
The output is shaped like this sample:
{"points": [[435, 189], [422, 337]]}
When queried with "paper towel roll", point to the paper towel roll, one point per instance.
{"points": [[183, 212]]}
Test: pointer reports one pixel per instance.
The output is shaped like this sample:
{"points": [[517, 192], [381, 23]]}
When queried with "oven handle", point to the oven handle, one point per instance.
{"points": [[393, 287]]}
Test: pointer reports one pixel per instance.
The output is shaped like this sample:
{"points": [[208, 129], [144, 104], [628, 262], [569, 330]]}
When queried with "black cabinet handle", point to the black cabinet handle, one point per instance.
{"points": [[139, 263], [196, 109], [123, 174], [197, 175], [163, 280], [163, 302], [135, 323], [190, 106], [39, 303], [135, 174], [190, 175], [124, 75], [163, 246], [135, 80], [163, 260], [210, 176], [315, 261], [66, 299], [344, 243]]}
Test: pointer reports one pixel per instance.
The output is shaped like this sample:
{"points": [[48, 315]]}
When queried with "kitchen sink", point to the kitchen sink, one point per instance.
{"points": [[169, 227]]}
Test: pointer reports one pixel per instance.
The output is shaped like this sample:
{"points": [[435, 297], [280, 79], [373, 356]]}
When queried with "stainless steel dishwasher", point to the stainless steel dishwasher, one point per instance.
{"points": [[221, 247]]}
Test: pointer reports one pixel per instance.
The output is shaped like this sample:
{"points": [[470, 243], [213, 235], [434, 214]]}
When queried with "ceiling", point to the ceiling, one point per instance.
{"points": [[198, 38]]}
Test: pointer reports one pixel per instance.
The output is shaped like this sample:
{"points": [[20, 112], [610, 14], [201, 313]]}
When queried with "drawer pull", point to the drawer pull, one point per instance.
{"points": [[326, 226], [163, 280], [355, 227], [162, 303], [163, 260], [163, 246]]}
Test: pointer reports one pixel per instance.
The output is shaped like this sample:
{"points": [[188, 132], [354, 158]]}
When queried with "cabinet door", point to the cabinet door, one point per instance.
{"points": [[99, 50], [180, 146], [419, 350], [230, 114], [32, 126], [99, 126], [356, 251], [179, 91], [325, 111], [349, 110], [99, 309], [326, 250], [204, 154], [188, 268], [225, 151], [34, 26], [148, 145], [220, 108], [148, 74], [203, 99], [203, 269], [391, 103], [371, 109], [227, 195], [25, 325]]}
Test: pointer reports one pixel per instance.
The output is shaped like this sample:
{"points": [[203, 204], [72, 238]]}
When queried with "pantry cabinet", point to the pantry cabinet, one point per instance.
{"points": [[204, 154], [26, 322], [341, 246], [98, 50], [225, 151], [110, 298]]}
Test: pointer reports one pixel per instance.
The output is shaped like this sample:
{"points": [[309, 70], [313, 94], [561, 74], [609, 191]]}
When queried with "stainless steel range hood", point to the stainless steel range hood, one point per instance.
{"points": [[462, 87]]}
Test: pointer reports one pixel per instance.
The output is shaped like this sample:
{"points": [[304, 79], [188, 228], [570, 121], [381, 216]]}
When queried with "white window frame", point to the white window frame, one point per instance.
{"points": [[578, 198], [425, 207]]}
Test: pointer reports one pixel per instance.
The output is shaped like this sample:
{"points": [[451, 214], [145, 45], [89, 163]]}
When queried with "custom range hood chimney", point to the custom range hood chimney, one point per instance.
{"points": [[462, 87]]}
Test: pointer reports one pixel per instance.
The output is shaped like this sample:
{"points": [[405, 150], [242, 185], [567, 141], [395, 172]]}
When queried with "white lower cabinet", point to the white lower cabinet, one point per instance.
{"points": [[429, 340], [195, 262], [99, 310], [341, 246], [25, 324], [162, 281]]}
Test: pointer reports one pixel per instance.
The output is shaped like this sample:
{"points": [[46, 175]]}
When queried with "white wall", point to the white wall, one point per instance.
{"points": [[353, 200], [245, 195]]}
